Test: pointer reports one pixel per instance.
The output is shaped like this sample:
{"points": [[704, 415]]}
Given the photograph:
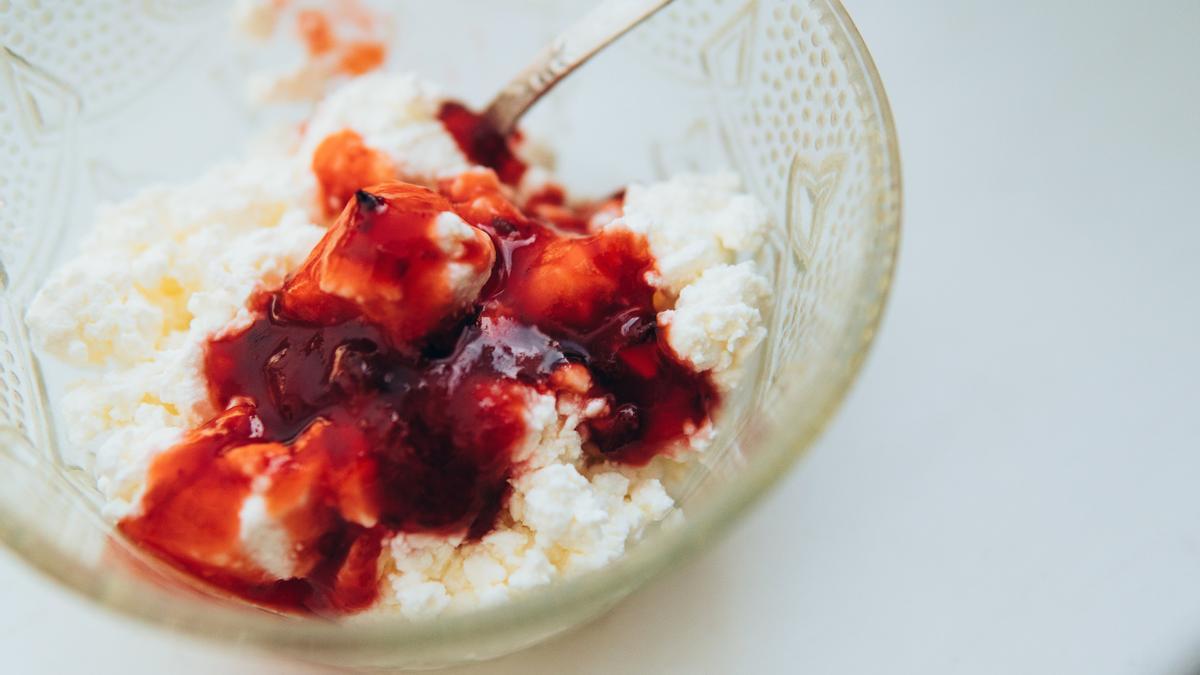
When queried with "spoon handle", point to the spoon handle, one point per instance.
{"points": [[570, 49]]}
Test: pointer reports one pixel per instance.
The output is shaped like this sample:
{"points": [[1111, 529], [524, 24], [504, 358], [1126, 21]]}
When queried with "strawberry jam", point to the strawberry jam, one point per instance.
{"points": [[384, 389]]}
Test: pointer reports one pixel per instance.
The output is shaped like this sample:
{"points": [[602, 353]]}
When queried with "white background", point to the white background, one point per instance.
{"points": [[1014, 484]]}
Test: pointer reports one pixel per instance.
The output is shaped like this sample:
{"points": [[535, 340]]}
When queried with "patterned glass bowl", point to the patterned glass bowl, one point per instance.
{"points": [[98, 98]]}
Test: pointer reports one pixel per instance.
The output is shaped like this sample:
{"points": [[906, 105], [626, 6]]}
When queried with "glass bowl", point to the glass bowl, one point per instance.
{"points": [[99, 98]]}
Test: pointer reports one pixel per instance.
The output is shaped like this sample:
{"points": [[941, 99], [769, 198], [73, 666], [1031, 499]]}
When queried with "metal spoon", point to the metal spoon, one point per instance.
{"points": [[572, 48]]}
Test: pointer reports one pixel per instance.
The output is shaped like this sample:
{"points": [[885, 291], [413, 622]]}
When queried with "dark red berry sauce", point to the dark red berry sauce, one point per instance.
{"points": [[367, 398], [480, 142]]}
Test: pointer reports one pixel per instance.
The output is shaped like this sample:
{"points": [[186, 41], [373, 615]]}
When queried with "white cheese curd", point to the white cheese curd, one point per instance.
{"points": [[693, 222], [156, 276], [717, 322], [395, 114]]}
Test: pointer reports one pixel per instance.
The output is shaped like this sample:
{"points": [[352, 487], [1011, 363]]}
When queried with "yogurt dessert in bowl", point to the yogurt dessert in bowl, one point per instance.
{"points": [[389, 368]]}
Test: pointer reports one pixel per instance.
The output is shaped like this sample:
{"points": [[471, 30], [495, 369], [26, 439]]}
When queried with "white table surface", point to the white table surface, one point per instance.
{"points": [[1014, 484]]}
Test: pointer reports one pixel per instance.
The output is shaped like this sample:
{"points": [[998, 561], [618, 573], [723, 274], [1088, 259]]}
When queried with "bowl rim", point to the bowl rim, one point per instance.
{"points": [[595, 589]]}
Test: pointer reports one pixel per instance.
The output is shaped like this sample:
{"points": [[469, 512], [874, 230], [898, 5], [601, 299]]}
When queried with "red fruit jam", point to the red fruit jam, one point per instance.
{"points": [[342, 164], [480, 143], [351, 57], [367, 398]]}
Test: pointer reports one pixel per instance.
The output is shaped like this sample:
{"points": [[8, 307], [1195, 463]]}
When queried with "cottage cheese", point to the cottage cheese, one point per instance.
{"points": [[717, 324], [165, 270], [157, 275], [694, 222], [396, 114]]}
